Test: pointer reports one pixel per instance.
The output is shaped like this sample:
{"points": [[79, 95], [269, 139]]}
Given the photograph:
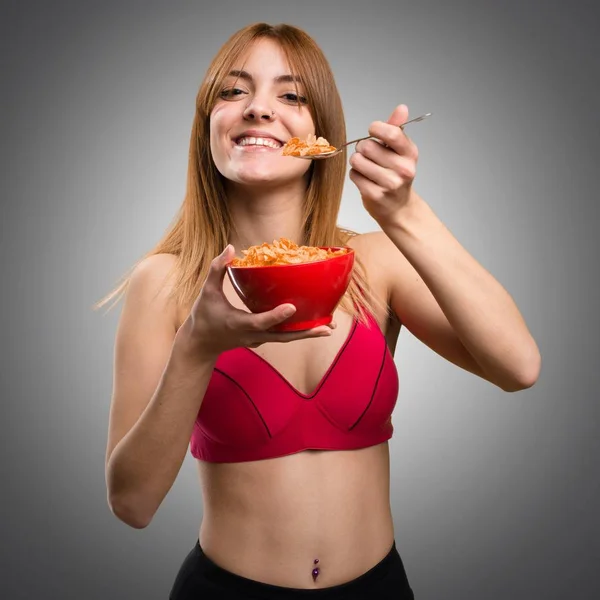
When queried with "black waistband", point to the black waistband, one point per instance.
{"points": [[233, 582]]}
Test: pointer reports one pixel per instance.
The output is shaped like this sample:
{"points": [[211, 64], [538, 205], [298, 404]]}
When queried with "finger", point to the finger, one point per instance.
{"points": [[365, 186], [260, 322], [399, 115], [378, 153], [394, 137], [217, 270], [317, 332], [291, 336], [403, 170], [388, 179]]}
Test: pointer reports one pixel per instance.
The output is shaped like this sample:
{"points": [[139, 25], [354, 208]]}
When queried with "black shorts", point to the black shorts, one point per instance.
{"points": [[201, 579]]}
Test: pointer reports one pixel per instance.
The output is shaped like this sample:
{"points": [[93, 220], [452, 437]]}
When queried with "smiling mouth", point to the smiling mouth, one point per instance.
{"points": [[258, 142]]}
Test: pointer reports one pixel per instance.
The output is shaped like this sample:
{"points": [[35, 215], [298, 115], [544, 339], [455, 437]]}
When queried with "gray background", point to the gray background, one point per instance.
{"points": [[495, 495]]}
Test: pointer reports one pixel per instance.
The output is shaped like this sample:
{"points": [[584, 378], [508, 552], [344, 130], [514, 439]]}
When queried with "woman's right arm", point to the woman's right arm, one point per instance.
{"points": [[159, 383], [161, 374]]}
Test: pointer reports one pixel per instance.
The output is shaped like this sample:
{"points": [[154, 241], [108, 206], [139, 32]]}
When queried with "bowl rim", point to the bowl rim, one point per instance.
{"points": [[304, 264]]}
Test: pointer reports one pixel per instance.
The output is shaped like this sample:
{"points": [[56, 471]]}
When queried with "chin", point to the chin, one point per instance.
{"points": [[259, 181], [265, 176]]}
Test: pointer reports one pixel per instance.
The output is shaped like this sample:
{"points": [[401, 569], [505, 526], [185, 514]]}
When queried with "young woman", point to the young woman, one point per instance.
{"points": [[290, 430]]}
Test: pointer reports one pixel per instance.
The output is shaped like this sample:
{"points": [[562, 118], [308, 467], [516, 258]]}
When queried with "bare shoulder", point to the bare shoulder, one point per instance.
{"points": [[370, 244], [149, 308], [155, 272], [373, 250], [378, 254], [151, 284]]}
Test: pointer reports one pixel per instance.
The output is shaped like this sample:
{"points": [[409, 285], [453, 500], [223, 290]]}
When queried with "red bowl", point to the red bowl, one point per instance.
{"points": [[314, 288]]}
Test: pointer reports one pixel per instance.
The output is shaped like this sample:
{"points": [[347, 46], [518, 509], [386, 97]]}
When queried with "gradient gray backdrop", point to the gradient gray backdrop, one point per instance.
{"points": [[494, 495]]}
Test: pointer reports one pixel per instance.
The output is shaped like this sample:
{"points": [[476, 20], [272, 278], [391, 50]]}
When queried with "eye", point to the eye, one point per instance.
{"points": [[294, 98], [231, 93]]}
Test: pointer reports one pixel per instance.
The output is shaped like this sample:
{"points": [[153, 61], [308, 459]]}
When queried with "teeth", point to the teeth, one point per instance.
{"points": [[254, 141]]}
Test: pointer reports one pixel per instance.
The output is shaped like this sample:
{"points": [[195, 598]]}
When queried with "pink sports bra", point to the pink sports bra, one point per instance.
{"points": [[251, 412]]}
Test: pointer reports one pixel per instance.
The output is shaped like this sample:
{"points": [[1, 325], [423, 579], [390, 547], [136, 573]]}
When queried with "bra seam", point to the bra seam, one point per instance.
{"points": [[335, 362], [247, 396], [364, 412]]}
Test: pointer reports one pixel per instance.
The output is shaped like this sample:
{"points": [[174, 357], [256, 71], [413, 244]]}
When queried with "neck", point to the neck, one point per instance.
{"points": [[264, 214]]}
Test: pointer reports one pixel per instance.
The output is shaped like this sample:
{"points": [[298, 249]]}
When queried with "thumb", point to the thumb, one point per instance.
{"points": [[399, 116], [227, 254], [219, 264]]}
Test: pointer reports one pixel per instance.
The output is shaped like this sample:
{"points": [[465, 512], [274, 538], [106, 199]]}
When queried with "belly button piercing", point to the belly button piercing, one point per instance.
{"points": [[315, 571]]}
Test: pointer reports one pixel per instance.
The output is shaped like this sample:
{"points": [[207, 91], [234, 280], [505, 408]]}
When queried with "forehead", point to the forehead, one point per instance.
{"points": [[264, 55]]}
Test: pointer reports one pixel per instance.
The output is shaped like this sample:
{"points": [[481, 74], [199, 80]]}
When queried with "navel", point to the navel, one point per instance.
{"points": [[316, 570]]}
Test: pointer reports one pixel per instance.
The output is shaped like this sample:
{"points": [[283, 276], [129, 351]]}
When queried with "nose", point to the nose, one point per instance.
{"points": [[258, 111]]}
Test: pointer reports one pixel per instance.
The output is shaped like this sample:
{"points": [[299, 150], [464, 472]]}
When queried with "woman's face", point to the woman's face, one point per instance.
{"points": [[256, 114]]}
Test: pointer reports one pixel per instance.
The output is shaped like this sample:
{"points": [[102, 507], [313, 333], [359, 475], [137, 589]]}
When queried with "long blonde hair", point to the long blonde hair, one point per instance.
{"points": [[203, 225]]}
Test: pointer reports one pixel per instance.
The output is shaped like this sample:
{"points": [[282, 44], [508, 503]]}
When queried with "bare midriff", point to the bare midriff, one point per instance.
{"points": [[313, 519]]}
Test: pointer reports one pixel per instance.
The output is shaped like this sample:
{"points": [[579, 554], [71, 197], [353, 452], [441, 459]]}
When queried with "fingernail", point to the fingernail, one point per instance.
{"points": [[288, 311]]}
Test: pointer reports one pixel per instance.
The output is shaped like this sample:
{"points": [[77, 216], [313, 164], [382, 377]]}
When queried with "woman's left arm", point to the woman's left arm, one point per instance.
{"points": [[436, 288]]}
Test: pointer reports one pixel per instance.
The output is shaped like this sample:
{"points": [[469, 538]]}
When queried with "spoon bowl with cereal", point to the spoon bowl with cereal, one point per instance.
{"points": [[318, 148]]}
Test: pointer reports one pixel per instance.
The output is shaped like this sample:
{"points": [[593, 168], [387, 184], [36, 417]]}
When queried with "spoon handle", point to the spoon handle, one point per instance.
{"points": [[369, 137]]}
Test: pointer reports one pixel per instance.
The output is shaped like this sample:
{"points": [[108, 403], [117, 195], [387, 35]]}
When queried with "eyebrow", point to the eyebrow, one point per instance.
{"points": [[279, 79]]}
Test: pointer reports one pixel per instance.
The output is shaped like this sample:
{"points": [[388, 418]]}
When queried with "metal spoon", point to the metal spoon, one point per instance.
{"points": [[369, 137]]}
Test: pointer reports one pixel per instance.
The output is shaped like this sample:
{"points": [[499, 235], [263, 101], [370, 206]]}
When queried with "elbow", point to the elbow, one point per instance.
{"points": [[526, 374], [129, 512], [127, 502]]}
